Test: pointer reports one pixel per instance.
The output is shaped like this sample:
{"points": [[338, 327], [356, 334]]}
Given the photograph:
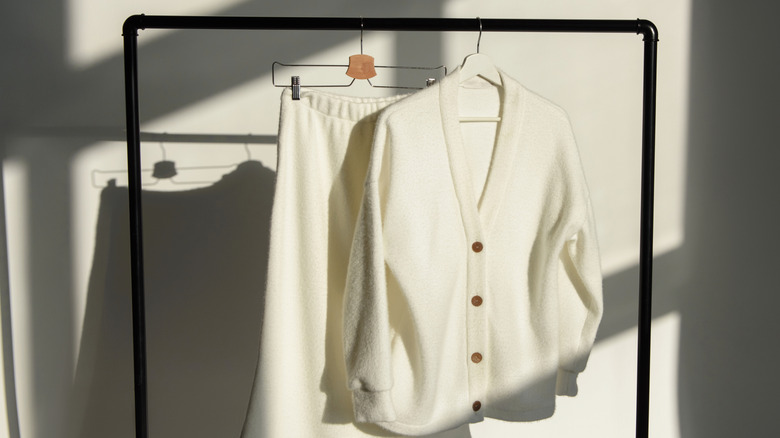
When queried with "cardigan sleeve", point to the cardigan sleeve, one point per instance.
{"points": [[366, 326], [580, 303], [580, 298]]}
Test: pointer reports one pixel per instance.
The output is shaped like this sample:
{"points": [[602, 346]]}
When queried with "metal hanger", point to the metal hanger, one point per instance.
{"points": [[479, 64], [361, 66]]}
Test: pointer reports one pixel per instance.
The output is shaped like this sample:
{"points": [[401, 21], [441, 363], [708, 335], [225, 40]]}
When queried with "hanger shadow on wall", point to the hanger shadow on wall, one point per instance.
{"points": [[167, 172]]}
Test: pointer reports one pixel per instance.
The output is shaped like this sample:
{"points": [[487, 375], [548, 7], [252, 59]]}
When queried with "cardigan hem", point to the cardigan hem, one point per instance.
{"points": [[425, 429], [566, 383], [373, 406], [531, 414]]}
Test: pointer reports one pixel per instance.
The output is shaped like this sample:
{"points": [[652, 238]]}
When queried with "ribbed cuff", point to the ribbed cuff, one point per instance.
{"points": [[566, 383], [372, 406]]}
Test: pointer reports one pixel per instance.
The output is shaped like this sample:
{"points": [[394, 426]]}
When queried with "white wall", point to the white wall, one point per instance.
{"points": [[62, 119]]}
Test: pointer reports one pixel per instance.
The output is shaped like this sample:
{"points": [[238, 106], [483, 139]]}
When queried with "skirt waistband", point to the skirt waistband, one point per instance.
{"points": [[344, 107]]}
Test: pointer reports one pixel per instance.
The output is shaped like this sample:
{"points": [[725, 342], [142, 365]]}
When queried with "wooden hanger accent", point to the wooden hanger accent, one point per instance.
{"points": [[361, 67]]}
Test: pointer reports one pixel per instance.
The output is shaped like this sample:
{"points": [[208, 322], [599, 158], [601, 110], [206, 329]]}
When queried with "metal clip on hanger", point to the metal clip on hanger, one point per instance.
{"points": [[296, 87], [479, 64], [361, 66]]}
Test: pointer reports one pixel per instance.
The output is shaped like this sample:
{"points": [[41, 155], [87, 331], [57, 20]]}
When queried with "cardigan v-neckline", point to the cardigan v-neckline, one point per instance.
{"points": [[481, 213]]}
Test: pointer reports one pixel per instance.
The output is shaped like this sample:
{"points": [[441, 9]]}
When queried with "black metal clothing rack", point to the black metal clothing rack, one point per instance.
{"points": [[639, 26]]}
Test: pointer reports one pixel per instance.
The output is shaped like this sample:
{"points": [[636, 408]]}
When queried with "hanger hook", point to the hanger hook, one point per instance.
{"points": [[479, 39], [361, 34]]}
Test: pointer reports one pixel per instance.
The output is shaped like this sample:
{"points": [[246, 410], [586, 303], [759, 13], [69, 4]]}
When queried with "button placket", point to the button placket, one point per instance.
{"points": [[477, 322]]}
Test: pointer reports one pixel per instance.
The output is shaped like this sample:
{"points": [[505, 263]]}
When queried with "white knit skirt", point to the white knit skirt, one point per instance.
{"points": [[300, 388]]}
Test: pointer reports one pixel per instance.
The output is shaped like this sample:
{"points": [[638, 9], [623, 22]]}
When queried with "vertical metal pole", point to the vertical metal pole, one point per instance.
{"points": [[136, 236], [646, 232]]}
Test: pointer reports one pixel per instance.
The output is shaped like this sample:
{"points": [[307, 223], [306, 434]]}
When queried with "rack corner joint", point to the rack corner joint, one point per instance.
{"points": [[132, 24], [647, 29]]}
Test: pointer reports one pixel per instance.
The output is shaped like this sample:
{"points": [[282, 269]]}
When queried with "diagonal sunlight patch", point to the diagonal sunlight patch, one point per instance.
{"points": [[605, 405], [15, 183], [94, 28]]}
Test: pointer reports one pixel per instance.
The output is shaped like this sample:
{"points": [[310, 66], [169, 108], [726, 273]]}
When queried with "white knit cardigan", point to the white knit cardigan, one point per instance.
{"points": [[456, 310]]}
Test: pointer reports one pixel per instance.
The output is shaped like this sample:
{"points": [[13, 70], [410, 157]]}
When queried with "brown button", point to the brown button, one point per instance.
{"points": [[476, 406], [476, 300], [476, 358], [476, 246]]}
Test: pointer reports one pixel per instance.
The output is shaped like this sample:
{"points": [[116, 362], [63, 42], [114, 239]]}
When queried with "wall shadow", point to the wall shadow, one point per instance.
{"points": [[728, 382]]}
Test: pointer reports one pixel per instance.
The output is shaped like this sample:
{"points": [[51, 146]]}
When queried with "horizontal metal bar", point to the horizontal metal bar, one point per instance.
{"points": [[135, 22]]}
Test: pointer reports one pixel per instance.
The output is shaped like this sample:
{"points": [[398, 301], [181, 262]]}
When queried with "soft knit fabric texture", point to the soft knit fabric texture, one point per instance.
{"points": [[300, 383], [420, 348]]}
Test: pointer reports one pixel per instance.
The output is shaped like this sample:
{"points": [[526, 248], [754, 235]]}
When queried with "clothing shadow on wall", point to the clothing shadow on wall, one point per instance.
{"points": [[205, 258]]}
